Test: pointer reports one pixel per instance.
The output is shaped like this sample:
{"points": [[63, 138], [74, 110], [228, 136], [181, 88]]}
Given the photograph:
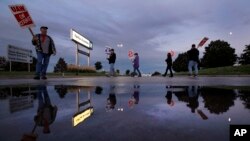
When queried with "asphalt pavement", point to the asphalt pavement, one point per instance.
{"points": [[94, 81]]}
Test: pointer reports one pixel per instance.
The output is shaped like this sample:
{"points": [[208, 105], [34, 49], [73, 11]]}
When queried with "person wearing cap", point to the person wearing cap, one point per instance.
{"points": [[45, 47], [111, 59], [136, 65]]}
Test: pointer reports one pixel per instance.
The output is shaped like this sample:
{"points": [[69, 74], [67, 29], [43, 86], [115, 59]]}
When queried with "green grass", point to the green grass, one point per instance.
{"points": [[230, 70]]}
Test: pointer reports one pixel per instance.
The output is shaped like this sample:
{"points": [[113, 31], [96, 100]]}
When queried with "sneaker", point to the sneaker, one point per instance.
{"points": [[44, 77], [164, 75], [36, 78]]}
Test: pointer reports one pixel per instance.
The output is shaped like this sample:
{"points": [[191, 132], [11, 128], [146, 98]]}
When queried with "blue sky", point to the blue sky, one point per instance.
{"points": [[151, 28]]}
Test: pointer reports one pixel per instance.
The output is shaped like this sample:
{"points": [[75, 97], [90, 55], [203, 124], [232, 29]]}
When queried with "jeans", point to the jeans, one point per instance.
{"points": [[192, 91], [170, 69], [112, 69], [43, 97], [192, 64], [42, 63], [137, 69]]}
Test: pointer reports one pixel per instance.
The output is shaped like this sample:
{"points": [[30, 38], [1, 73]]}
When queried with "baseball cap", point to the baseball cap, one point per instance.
{"points": [[43, 27]]}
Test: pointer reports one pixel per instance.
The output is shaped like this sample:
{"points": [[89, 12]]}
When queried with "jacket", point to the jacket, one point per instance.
{"points": [[112, 58], [169, 61], [193, 54], [52, 48], [136, 62]]}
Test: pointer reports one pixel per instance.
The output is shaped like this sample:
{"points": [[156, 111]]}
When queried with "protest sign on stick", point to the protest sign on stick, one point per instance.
{"points": [[22, 16], [202, 42]]}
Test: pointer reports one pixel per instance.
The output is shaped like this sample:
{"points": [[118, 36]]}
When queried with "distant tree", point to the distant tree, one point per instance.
{"points": [[245, 97], [245, 56], [156, 73], [61, 66], [127, 72], [218, 54], [218, 100], [181, 63], [98, 90], [118, 71], [61, 90], [98, 65]]}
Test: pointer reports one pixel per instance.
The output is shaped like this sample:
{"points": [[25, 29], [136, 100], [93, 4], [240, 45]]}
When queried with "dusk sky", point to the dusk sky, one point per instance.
{"points": [[149, 27]]}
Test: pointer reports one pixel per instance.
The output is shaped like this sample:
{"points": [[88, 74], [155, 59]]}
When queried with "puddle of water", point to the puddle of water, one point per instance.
{"points": [[122, 112]]}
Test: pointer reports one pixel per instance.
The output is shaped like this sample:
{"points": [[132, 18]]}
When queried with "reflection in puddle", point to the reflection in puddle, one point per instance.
{"points": [[81, 115], [64, 111]]}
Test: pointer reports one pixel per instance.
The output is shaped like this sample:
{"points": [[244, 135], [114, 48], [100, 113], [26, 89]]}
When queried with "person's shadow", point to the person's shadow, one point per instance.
{"points": [[46, 114]]}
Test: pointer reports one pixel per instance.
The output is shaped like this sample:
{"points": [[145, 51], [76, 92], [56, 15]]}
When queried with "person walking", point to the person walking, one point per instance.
{"points": [[136, 65], [193, 59], [45, 47], [111, 59], [169, 65]]}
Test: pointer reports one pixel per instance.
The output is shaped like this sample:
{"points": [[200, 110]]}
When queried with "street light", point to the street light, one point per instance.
{"points": [[120, 45]]}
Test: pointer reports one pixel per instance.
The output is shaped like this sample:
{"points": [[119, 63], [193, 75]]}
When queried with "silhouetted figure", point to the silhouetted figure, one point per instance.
{"points": [[136, 65], [169, 65], [136, 94], [111, 59], [193, 60], [193, 98], [169, 96], [111, 100], [46, 113]]}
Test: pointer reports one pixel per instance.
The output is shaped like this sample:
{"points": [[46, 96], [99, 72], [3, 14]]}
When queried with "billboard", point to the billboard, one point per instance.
{"points": [[78, 38], [17, 54]]}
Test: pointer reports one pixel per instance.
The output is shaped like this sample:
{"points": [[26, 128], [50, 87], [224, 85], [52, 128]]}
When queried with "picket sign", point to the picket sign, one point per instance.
{"points": [[22, 16]]}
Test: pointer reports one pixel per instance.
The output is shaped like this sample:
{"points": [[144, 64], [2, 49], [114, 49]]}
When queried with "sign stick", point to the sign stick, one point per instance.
{"points": [[202, 42], [31, 32]]}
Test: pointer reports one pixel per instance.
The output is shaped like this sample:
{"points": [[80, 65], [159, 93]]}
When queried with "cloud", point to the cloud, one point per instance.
{"points": [[149, 27]]}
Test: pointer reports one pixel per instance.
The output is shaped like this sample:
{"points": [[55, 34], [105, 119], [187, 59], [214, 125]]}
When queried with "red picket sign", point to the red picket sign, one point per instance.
{"points": [[202, 42]]}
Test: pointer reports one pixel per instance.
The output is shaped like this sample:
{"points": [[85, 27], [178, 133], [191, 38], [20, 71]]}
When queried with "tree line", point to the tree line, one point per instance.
{"points": [[217, 54]]}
